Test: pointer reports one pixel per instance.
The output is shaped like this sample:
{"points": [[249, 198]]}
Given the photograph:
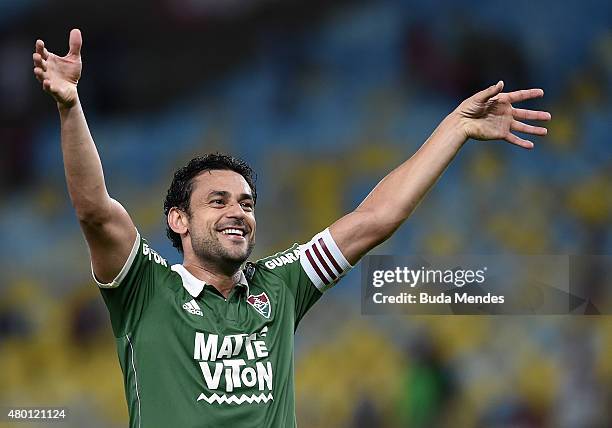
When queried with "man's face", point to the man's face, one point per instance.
{"points": [[222, 222]]}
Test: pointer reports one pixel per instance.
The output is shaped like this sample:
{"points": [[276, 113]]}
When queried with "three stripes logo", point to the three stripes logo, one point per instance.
{"points": [[193, 308]]}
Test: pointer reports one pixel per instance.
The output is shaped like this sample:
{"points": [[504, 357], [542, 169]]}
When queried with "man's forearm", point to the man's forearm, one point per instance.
{"points": [[397, 195], [82, 166], [486, 115]]}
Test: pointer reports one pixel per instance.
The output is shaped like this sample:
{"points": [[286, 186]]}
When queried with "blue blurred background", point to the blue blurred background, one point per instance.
{"points": [[323, 98]]}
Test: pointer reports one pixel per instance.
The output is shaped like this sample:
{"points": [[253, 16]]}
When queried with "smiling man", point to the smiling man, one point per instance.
{"points": [[209, 342]]}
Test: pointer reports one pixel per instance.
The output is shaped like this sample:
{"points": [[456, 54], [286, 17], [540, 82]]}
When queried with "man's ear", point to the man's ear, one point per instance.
{"points": [[177, 220]]}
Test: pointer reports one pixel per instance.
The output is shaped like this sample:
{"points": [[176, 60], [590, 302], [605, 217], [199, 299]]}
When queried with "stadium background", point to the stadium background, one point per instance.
{"points": [[323, 98]]}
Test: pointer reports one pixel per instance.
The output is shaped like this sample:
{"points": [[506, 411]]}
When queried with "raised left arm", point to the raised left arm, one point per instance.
{"points": [[487, 115]]}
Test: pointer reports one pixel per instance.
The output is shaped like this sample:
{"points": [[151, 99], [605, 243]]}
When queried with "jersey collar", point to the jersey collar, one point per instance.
{"points": [[194, 286]]}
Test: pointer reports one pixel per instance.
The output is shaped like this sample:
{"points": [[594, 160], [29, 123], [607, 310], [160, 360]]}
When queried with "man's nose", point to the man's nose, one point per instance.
{"points": [[235, 210]]}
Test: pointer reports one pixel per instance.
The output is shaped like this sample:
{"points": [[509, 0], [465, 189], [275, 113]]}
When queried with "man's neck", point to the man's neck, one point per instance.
{"points": [[223, 282]]}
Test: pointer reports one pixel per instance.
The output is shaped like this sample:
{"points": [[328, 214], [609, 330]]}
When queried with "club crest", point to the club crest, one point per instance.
{"points": [[261, 303]]}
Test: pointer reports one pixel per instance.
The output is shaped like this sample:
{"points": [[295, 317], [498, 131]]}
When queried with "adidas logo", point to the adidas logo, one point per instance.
{"points": [[193, 308]]}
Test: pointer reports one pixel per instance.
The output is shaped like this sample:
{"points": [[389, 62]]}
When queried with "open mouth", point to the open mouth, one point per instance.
{"points": [[233, 233]]}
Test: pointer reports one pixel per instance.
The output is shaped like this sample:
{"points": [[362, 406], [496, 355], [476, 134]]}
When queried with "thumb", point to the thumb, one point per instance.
{"points": [[75, 42], [490, 92]]}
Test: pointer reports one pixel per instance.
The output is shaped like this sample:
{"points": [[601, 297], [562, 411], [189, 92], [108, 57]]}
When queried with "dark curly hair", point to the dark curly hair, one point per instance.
{"points": [[179, 193]]}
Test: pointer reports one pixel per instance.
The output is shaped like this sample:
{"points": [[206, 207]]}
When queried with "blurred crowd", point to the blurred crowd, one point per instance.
{"points": [[323, 99]]}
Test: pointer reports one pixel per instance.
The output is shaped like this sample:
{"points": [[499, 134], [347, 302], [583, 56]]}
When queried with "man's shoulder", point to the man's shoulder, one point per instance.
{"points": [[151, 266], [148, 253], [285, 258]]}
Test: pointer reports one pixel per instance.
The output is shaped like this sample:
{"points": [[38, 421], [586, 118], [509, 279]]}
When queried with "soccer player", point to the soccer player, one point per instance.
{"points": [[209, 342]]}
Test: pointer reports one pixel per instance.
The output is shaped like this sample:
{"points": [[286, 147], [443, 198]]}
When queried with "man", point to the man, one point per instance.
{"points": [[210, 342]]}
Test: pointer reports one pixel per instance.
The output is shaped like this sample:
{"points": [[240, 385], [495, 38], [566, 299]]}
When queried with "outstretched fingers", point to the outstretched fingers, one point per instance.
{"points": [[42, 77], [490, 92], [39, 62], [524, 94], [41, 50], [513, 139], [528, 129], [39, 57], [39, 74], [522, 114], [39, 47], [75, 42]]}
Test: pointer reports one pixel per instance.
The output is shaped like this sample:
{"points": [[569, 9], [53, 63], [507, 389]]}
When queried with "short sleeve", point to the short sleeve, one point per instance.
{"points": [[309, 270], [128, 295]]}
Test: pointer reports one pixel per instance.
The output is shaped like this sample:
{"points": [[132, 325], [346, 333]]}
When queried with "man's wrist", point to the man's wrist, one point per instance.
{"points": [[66, 107], [454, 126]]}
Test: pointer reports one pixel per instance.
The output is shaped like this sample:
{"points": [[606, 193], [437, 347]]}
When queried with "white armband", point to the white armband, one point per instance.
{"points": [[323, 261]]}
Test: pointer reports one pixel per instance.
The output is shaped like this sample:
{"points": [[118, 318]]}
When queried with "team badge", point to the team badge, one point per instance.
{"points": [[261, 303]]}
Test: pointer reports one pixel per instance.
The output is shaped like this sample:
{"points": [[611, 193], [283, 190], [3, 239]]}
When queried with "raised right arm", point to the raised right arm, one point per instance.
{"points": [[108, 228]]}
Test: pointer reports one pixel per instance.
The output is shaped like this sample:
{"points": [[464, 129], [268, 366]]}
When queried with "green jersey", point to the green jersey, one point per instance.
{"points": [[192, 358]]}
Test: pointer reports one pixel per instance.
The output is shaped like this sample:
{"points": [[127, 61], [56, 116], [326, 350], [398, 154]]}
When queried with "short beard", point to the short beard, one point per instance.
{"points": [[210, 252]]}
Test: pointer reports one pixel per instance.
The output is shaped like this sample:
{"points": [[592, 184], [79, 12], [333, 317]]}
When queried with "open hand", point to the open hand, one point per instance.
{"points": [[59, 75], [489, 115]]}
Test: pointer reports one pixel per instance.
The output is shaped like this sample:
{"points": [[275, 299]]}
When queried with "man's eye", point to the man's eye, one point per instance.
{"points": [[247, 206], [217, 202]]}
